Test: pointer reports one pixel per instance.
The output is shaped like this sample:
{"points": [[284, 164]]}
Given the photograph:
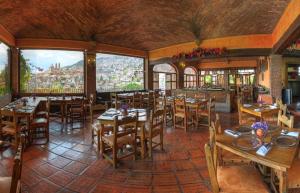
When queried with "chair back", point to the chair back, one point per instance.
{"points": [[239, 105], [15, 186], [179, 106], [157, 121], [283, 108], [159, 103], [8, 118], [212, 104], [129, 125], [212, 167], [284, 121], [77, 103], [137, 100], [92, 99], [200, 96], [114, 99]]}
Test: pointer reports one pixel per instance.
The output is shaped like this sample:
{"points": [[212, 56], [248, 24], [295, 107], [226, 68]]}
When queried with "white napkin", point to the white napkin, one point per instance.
{"points": [[292, 134], [247, 105], [232, 133], [263, 150]]}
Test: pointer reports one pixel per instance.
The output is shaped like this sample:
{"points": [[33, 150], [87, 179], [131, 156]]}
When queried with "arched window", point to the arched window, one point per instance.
{"points": [[190, 77], [164, 77]]}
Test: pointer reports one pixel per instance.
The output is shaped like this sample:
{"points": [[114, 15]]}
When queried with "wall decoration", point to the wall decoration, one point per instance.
{"points": [[200, 53]]}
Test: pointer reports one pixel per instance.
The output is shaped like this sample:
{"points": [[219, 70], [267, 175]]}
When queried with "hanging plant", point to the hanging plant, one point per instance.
{"points": [[200, 53]]}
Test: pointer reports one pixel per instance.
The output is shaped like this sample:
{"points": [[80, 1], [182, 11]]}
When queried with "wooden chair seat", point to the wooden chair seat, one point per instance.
{"points": [[76, 110], [293, 175], [229, 158], [11, 130], [38, 121], [243, 179], [127, 139], [5, 183], [41, 113]]}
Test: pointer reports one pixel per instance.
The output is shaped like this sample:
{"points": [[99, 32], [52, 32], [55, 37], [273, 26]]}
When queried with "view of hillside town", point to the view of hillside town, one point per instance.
{"points": [[118, 73], [51, 71], [4, 70]]}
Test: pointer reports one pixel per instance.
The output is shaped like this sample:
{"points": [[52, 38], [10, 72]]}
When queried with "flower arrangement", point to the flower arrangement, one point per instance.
{"points": [[260, 128], [200, 53], [124, 108]]}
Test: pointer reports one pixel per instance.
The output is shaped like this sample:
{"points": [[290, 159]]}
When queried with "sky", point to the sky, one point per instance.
{"points": [[45, 58]]}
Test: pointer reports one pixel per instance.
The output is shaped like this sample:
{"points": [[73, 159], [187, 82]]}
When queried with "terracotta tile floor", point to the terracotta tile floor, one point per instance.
{"points": [[69, 163]]}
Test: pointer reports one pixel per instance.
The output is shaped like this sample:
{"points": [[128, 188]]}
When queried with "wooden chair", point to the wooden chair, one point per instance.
{"points": [[45, 112], [10, 127], [120, 138], [244, 119], [114, 99], [93, 107], [76, 111], [232, 178], [159, 103], [206, 113], [97, 129], [13, 184], [180, 112], [156, 129], [137, 100], [39, 126], [284, 121], [293, 175], [225, 157]]}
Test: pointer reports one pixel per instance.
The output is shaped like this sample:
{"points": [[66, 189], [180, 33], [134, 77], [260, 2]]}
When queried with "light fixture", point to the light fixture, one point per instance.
{"points": [[182, 64]]}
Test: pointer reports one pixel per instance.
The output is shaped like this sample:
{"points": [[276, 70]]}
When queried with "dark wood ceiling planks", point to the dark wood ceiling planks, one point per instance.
{"points": [[139, 24]]}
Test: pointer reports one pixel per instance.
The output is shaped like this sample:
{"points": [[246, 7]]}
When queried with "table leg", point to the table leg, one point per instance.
{"points": [[282, 182], [143, 142], [28, 129]]}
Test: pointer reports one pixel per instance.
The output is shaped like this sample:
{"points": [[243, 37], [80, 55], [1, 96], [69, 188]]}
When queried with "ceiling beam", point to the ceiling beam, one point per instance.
{"points": [[6, 36]]}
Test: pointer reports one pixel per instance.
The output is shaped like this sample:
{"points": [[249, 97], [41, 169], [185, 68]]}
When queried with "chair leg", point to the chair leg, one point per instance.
{"points": [[185, 124], [150, 147], [161, 141], [115, 157], [98, 140]]}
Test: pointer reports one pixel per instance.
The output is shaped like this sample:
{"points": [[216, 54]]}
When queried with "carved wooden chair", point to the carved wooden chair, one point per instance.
{"points": [[114, 99], [137, 100], [205, 114], [225, 157], [293, 175], [156, 129], [76, 111], [10, 127], [119, 139], [13, 184], [39, 126], [232, 178], [244, 119], [93, 107], [181, 114]]}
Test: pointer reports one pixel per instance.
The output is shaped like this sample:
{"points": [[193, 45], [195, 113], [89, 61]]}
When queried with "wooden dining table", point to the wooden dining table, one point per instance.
{"points": [[278, 158], [259, 111], [107, 118]]}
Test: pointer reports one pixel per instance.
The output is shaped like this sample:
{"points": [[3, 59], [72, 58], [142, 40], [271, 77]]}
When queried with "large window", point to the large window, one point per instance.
{"points": [[190, 78], [51, 71], [211, 78], [164, 77], [4, 69], [118, 73]]}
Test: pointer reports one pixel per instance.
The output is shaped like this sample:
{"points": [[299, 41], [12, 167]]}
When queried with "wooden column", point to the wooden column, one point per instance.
{"points": [[15, 69], [275, 75], [90, 73]]}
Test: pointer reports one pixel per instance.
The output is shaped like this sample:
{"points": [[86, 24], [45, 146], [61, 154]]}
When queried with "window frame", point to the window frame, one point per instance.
{"points": [[120, 54], [9, 64], [58, 94], [171, 81], [189, 79]]}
